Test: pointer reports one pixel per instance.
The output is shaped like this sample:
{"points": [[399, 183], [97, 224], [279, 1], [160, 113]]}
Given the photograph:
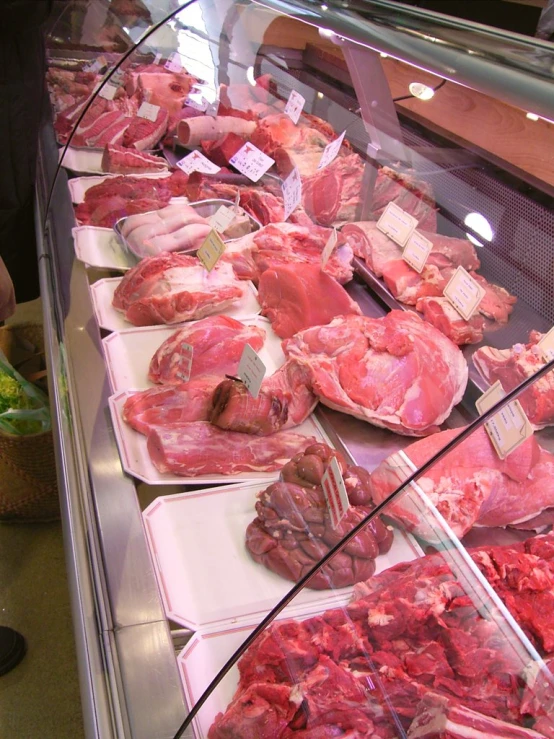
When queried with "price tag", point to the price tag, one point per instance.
{"points": [[212, 108], [396, 224], [186, 352], [294, 106], [292, 192], [173, 63], [546, 345], [197, 162], [508, 428], [211, 250], [464, 293], [222, 218], [335, 493], [108, 91], [251, 370], [328, 248], [96, 65], [251, 162], [148, 111], [158, 58], [416, 251], [331, 151], [196, 101]]}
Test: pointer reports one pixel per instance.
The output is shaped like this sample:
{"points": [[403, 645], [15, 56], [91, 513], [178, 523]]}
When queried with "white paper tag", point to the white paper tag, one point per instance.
{"points": [[331, 151], [222, 218], [292, 192], [196, 101], [251, 370], [211, 250], [108, 92], [173, 63], [158, 58], [251, 162], [546, 345], [416, 251], [396, 224], [186, 352], [96, 65], [335, 492], [464, 293], [328, 248], [148, 111], [197, 162], [294, 106], [212, 108], [508, 428]]}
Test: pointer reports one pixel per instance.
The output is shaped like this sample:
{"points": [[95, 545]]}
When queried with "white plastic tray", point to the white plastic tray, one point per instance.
{"points": [[79, 185], [207, 577], [110, 319], [81, 161], [99, 247], [128, 353], [136, 460]]}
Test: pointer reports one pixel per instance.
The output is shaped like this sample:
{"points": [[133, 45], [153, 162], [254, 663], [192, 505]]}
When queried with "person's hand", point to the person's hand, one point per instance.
{"points": [[7, 293]]}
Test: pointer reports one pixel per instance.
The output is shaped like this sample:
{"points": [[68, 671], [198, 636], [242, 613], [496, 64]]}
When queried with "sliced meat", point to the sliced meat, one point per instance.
{"points": [[142, 133], [121, 160]]}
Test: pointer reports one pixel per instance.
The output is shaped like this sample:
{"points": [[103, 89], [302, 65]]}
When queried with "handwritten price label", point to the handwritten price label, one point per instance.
{"points": [[251, 162], [292, 192], [108, 92], [335, 493], [294, 106], [330, 152], [173, 63], [222, 218], [546, 345], [329, 247], [396, 224], [211, 250], [508, 428], [416, 251], [464, 293], [196, 101], [97, 65], [197, 162], [251, 370], [148, 111]]}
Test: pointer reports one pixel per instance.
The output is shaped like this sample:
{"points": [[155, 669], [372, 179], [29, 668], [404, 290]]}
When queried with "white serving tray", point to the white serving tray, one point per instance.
{"points": [[197, 538], [136, 461], [110, 319], [128, 353], [81, 161], [99, 247], [79, 185]]}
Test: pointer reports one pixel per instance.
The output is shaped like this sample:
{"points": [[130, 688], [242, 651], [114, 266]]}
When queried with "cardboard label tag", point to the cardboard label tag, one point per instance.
{"points": [[294, 106], [292, 192], [211, 250], [251, 162], [197, 162], [108, 91], [328, 248], [158, 58], [546, 345], [464, 293], [330, 152], [185, 365], [222, 218], [335, 493], [251, 370], [148, 111], [173, 63], [416, 251], [397, 224], [508, 428], [96, 65], [212, 108], [197, 101]]}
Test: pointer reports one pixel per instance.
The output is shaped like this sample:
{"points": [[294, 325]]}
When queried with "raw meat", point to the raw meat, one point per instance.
{"points": [[107, 212], [264, 206], [511, 367], [171, 287], [538, 696], [158, 406], [156, 85], [442, 315], [332, 196], [284, 400], [223, 149], [192, 131], [397, 371], [408, 192], [297, 296], [103, 123], [471, 486], [119, 160], [174, 228], [292, 530], [217, 342], [144, 134], [112, 134], [200, 448]]}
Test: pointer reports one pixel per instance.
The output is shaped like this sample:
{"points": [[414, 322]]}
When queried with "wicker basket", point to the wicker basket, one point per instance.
{"points": [[28, 486]]}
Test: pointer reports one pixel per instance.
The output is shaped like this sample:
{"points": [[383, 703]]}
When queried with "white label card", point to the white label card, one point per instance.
{"points": [[197, 162], [328, 248], [508, 428], [197, 101], [416, 251], [464, 293], [251, 370], [96, 65], [173, 63], [292, 192], [211, 250], [212, 108], [222, 218], [158, 58], [335, 493], [148, 111], [251, 162], [108, 91], [294, 106], [396, 224], [331, 151], [546, 345]]}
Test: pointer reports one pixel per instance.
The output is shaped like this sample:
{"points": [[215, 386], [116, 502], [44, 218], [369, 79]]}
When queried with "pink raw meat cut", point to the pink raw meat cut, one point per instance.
{"points": [[442, 315], [217, 342], [159, 86], [297, 296], [158, 406], [112, 134], [87, 136], [332, 195], [110, 209], [284, 400], [410, 193], [397, 372], [199, 448], [120, 160], [144, 134], [264, 206], [173, 287], [471, 486], [511, 367]]}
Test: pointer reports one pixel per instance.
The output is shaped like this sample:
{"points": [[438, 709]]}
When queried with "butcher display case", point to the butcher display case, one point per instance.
{"points": [[296, 264]]}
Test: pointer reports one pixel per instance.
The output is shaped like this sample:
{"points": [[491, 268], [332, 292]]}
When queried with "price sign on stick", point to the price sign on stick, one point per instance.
{"points": [[329, 247], [331, 151], [251, 370], [222, 219], [292, 192], [416, 251], [546, 345], [108, 91], [464, 293], [148, 111], [294, 106], [335, 493], [197, 101], [396, 224], [197, 162], [508, 428], [211, 250], [251, 162], [173, 63]]}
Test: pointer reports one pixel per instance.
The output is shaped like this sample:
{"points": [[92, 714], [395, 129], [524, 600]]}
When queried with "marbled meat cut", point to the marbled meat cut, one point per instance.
{"points": [[170, 288], [292, 530], [200, 449], [142, 133], [217, 343], [284, 400], [297, 296], [397, 371], [471, 485], [412, 632], [168, 404], [511, 367], [120, 160]]}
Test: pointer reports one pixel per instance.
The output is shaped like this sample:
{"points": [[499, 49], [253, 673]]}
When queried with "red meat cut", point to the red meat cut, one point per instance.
{"points": [[120, 160], [144, 134], [442, 315]]}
